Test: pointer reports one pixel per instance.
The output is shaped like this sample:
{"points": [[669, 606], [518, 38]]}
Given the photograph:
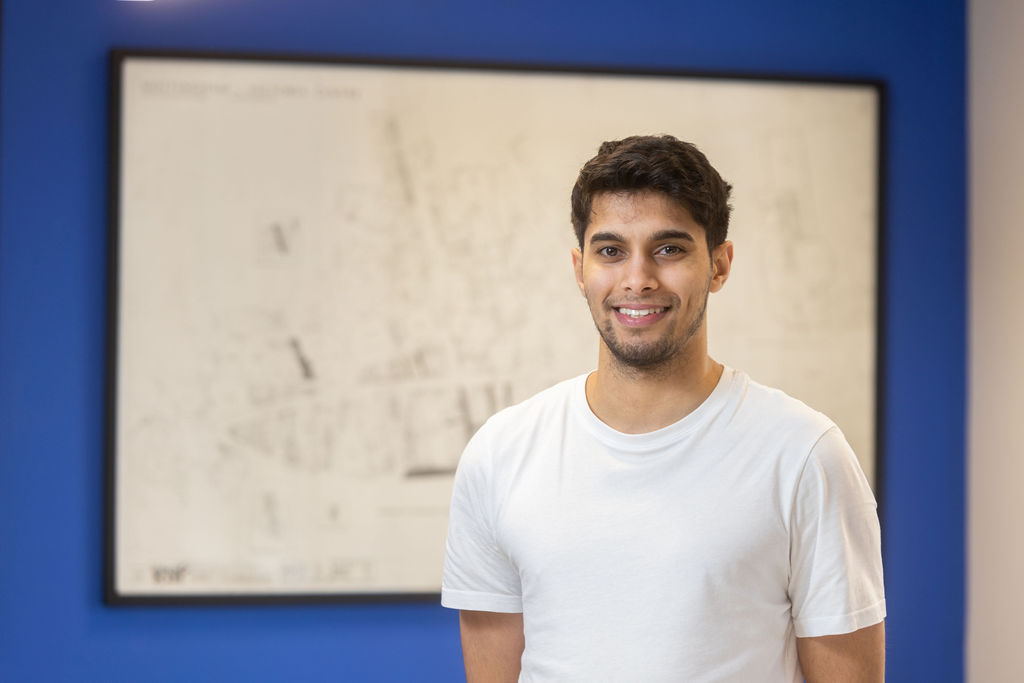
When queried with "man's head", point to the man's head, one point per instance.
{"points": [[651, 215], [659, 164]]}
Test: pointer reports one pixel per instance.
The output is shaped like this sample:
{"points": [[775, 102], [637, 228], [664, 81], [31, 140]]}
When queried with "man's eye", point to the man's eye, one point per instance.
{"points": [[670, 250], [609, 252]]}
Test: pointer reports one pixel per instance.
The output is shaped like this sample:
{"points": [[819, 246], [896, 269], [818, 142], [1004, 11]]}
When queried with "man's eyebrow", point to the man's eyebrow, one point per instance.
{"points": [[606, 237], [673, 235]]}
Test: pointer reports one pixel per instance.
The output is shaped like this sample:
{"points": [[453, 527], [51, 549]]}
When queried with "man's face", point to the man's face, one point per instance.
{"points": [[646, 274]]}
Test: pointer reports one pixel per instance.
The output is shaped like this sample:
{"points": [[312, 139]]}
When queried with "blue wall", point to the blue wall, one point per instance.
{"points": [[53, 625]]}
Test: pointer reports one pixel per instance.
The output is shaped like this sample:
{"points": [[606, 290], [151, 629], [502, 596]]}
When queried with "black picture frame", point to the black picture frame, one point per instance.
{"points": [[154, 103]]}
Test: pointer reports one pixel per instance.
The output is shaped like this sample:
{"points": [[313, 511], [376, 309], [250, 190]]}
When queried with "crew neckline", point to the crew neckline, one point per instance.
{"points": [[648, 442]]}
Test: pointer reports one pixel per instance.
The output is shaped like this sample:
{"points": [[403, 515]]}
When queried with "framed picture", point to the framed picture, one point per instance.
{"points": [[327, 274]]}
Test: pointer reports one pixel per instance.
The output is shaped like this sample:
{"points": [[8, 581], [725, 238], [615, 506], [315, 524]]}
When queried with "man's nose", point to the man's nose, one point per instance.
{"points": [[639, 274]]}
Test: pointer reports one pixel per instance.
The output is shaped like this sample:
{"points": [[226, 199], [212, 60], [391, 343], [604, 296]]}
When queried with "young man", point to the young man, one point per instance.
{"points": [[663, 518]]}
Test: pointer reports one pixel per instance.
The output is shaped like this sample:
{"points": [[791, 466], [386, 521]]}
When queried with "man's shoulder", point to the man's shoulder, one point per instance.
{"points": [[774, 408], [770, 428]]}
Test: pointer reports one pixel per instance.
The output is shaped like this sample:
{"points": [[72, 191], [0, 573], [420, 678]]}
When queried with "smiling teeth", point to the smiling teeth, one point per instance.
{"points": [[639, 312]]}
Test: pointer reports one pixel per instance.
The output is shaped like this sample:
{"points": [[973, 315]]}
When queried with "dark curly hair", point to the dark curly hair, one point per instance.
{"points": [[655, 163]]}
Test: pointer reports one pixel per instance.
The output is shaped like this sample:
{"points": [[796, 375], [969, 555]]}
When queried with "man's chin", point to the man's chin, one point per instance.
{"points": [[643, 356]]}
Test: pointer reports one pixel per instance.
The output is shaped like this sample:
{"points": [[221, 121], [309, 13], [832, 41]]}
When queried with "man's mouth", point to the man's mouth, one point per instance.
{"points": [[640, 312]]}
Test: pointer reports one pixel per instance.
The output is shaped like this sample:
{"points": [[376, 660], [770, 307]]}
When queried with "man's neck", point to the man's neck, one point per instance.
{"points": [[636, 401]]}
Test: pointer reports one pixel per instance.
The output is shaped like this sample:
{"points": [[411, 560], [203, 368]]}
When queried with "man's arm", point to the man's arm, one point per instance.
{"points": [[857, 657], [492, 645]]}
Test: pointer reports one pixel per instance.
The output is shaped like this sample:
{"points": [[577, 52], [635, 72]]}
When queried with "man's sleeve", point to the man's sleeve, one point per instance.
{"points": [[835, 556], [478, 574]]}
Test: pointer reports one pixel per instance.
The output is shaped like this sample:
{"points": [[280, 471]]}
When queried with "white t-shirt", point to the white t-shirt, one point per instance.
{"points": [[697, 552]]}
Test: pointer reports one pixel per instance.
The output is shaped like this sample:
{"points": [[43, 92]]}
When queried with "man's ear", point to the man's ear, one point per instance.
{"points": [[577, 266], [721, 264]]}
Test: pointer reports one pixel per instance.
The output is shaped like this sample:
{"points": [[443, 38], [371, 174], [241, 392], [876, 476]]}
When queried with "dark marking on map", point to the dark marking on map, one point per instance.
{"points": [[304, 364], [346, 92], [469, 426], [271, 516], [495, 397], [498, 401], [280, 241], [169, 573], [184, 89], [394, 135], [429, 471]]}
